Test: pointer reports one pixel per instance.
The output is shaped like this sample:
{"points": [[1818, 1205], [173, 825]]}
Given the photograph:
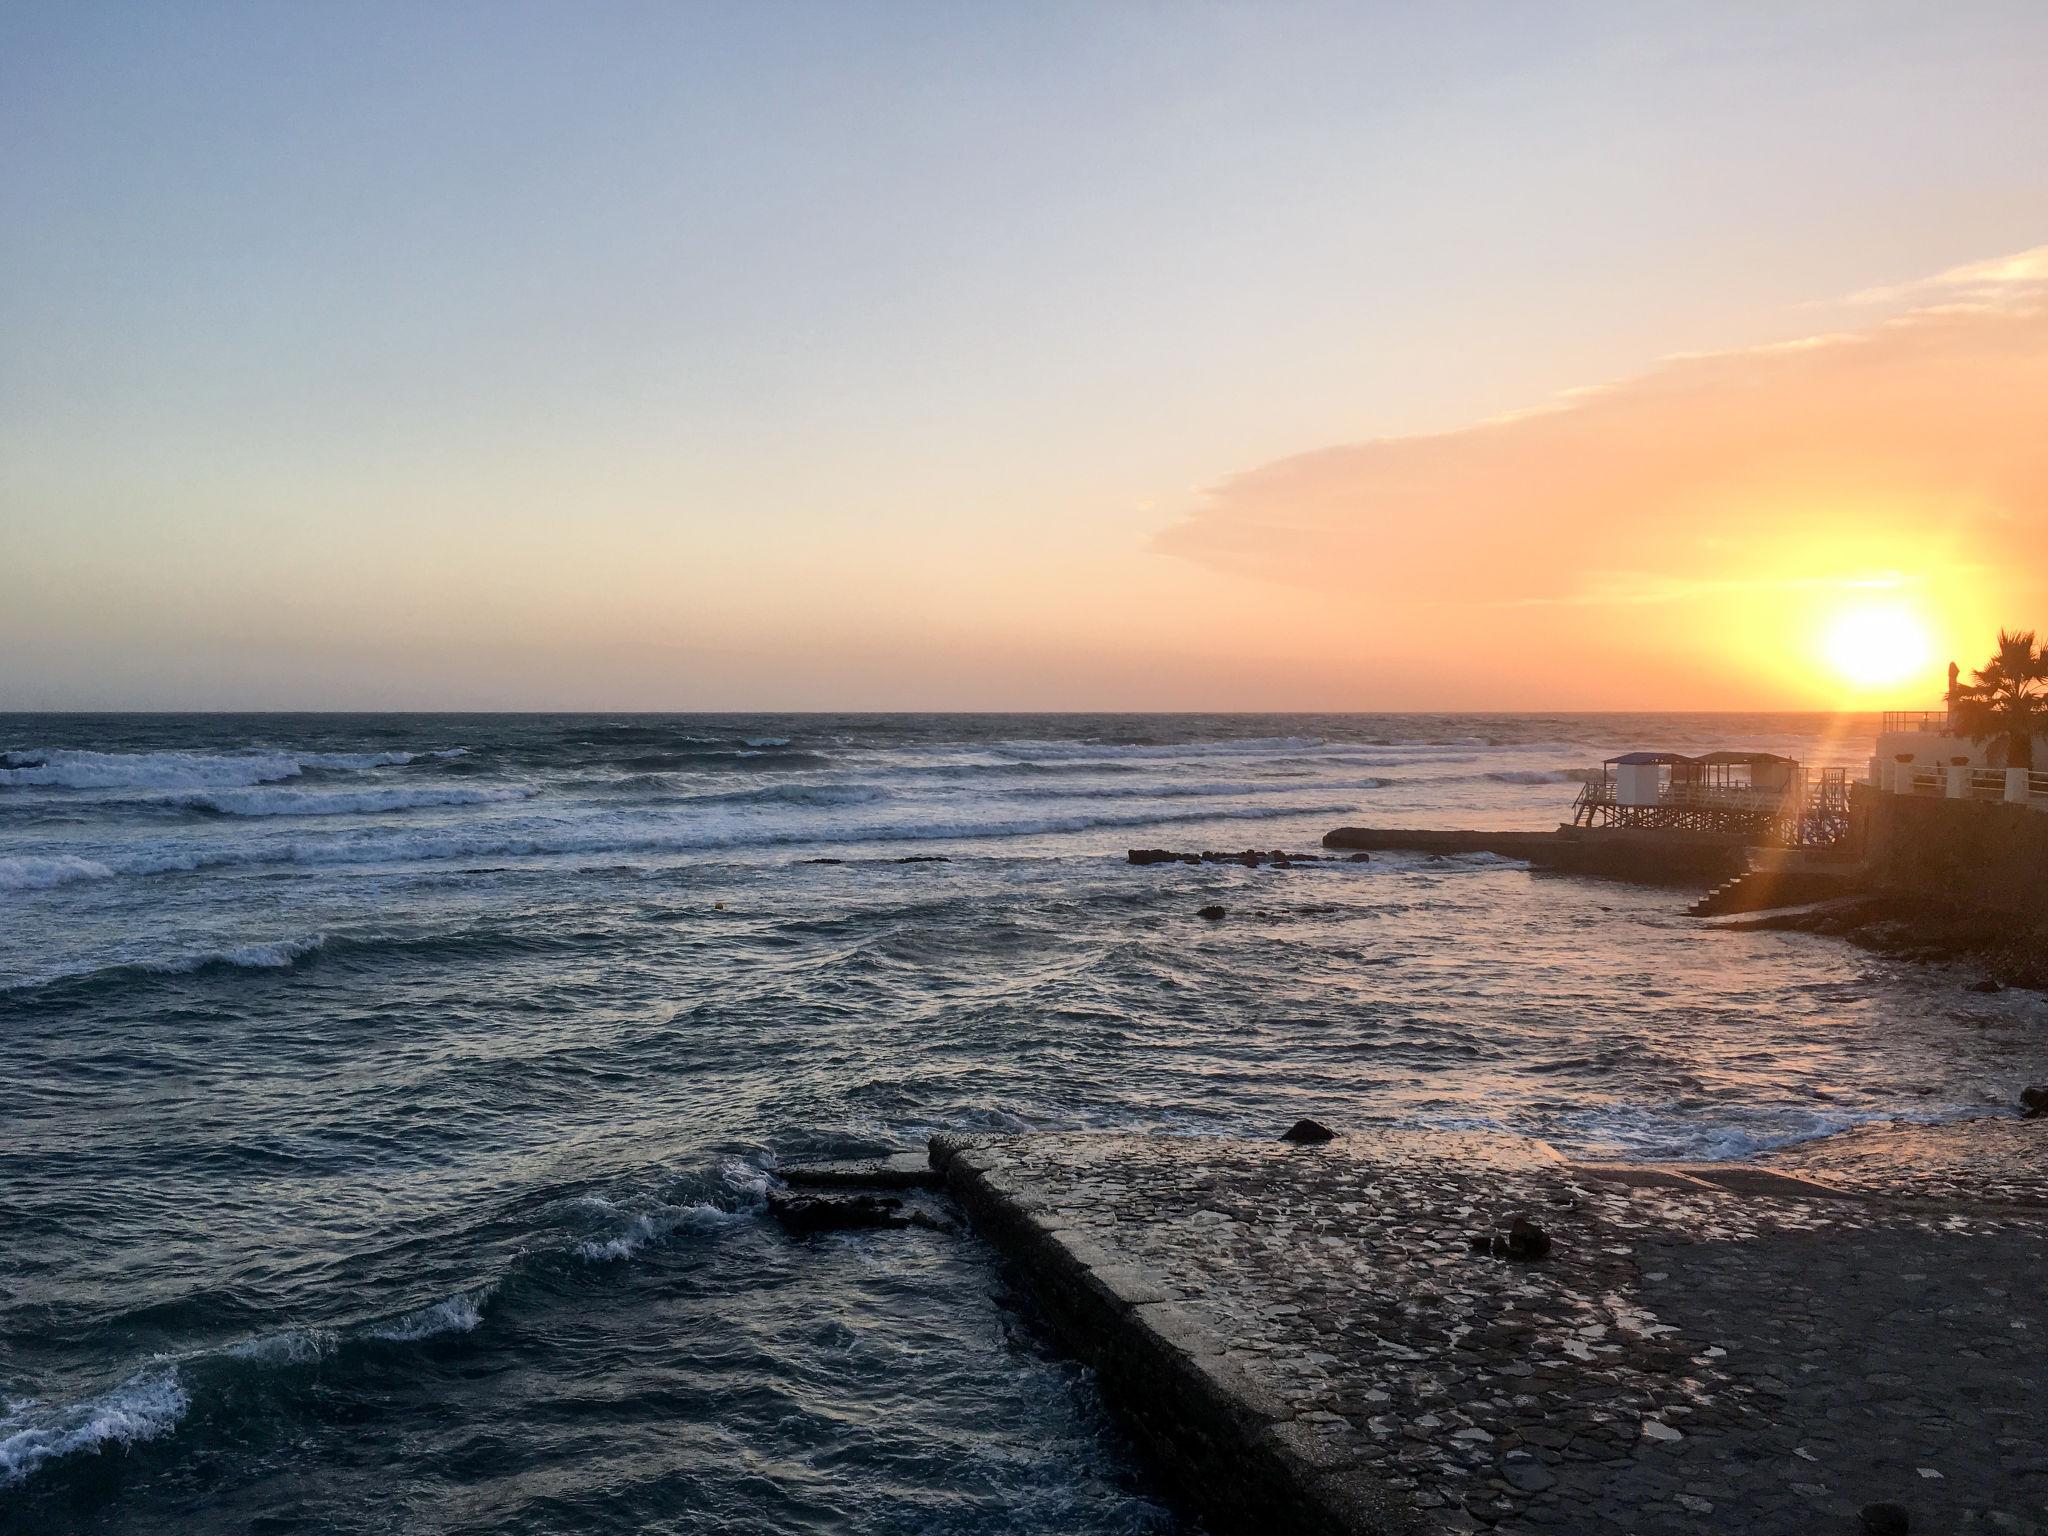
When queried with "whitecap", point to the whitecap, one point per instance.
{"points": [[141, 1408], [255, 957], [452, 1314], [33, 873], [346, 802]]}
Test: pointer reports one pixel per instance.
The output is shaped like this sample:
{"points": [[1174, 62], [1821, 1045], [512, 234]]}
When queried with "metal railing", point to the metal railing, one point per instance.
{"points": [[1931, 721]]}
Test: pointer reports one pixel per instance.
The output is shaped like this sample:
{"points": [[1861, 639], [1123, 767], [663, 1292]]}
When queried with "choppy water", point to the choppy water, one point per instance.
{"points": [[388, 1101]]}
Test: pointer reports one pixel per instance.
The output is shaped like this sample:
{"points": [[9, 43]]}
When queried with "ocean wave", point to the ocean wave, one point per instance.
{"points": [[344, 802], [68, 769], [141, 1408], [1216, 789], [248, 957], [739, 831], [823, 796], [459, 1313], [734, 1192], [295, 1346], [1537, 775], [153, 1402], [36, 873]]}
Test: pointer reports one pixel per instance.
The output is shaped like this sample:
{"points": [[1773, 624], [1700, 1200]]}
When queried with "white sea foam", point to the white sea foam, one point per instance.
{"points": [[453, 1314], [640, 1220], [33, 873], [255, 957], [684, 832], [68, 769], [142, 1407], [346, 802]]}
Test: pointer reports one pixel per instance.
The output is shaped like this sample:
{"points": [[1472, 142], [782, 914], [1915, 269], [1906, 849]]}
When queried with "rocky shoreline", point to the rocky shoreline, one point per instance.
{"points": [[1365, 1335], [2010, 953]]}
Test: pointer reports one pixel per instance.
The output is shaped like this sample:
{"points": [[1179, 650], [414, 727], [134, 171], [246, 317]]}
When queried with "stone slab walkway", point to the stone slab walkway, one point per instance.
{"points": [[1689, 1358]]}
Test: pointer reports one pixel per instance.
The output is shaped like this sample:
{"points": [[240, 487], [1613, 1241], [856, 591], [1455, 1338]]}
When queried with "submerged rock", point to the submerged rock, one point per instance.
{"points": [[1308, 1133], [2036, 1100], [804, 1214], [1250, 858], [1213, 913], [1986, 985]]}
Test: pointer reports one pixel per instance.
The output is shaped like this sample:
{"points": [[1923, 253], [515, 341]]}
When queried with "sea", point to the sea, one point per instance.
{"points": [[388, 1103]]}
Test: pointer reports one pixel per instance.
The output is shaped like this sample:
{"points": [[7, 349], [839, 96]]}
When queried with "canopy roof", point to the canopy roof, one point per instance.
{"points": [[1753, 759]]}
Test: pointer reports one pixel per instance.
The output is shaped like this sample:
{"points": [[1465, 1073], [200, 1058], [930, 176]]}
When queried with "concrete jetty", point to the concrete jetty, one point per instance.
{"points": [[1306, 1339], [1622, 853]]}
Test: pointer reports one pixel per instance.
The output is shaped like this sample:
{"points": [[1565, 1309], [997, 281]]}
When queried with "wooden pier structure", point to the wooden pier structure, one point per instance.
{"points": [[1759, 797]]}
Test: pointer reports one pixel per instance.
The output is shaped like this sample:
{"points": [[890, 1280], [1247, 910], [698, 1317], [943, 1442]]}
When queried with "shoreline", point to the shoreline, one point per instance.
{"points": [[1305, 1333]]}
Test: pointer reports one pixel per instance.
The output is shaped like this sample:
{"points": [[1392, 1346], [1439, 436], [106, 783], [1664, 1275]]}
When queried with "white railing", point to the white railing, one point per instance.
{"points": [[1933, 721]]}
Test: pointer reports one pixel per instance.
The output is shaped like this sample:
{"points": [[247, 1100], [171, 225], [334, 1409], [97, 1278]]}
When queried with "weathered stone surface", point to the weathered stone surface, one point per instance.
{"points": [[1689, 1358], [903, 1170]]}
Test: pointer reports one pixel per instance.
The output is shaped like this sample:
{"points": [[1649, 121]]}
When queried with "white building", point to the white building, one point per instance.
{"points": [[1920, 752]]}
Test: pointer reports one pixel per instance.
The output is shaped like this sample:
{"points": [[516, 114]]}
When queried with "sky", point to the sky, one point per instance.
{"points": [[1098, 356]]}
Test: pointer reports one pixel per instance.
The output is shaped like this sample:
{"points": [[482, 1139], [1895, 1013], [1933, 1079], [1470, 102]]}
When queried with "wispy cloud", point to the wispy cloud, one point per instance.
{"points": [[1912, 442], [2018, 280]]}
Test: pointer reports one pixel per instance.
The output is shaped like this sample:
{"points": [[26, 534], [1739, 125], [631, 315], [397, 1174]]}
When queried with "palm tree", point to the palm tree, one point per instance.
{"points": [[2009, 698]]}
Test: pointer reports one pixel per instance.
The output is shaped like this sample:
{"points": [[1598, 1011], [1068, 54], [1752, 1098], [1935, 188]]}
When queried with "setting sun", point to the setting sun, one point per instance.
{"points": [[1875, 647]]}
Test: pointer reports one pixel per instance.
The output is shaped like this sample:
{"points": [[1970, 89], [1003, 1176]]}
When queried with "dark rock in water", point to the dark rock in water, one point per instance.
{"points": [[805, 1214], [1986, 985], [1214, 914], [821, 861], [1521, 1240], [924, 858], [1250, 858], [1307, 1133], [1360, 858], [1886, 1520], [2036, 1100]]}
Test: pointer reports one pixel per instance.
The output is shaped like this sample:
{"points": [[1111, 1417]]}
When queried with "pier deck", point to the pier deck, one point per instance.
{"points": [[1305, 1338]]}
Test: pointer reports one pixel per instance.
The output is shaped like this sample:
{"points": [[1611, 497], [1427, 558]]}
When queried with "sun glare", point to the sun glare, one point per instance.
{"points": [[1876, 647]]}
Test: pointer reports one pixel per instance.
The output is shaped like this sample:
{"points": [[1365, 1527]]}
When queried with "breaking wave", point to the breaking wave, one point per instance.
{"points": [[36, 873], [68, 769], [454, 1314], [343, 802], [141, 1408]]}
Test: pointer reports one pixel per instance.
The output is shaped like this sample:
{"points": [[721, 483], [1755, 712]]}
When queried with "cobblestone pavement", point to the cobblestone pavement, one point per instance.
{"points": [[1687, 1359]]}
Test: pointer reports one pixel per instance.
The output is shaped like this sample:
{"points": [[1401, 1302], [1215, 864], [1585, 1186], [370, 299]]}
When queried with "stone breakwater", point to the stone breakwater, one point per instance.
{"points": [[1305, 1337]]}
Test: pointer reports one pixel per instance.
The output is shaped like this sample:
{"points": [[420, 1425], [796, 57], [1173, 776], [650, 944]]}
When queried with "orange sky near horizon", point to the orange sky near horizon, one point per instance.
{"points": [[893, 355]]}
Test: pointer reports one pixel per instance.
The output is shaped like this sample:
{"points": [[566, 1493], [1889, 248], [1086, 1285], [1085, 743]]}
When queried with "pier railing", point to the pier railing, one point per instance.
{"points": [[1810, 812], [1933, 721]]}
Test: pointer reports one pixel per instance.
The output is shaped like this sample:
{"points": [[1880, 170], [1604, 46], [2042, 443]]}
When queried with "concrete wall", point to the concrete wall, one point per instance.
{"points": [[1972, 853]]}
